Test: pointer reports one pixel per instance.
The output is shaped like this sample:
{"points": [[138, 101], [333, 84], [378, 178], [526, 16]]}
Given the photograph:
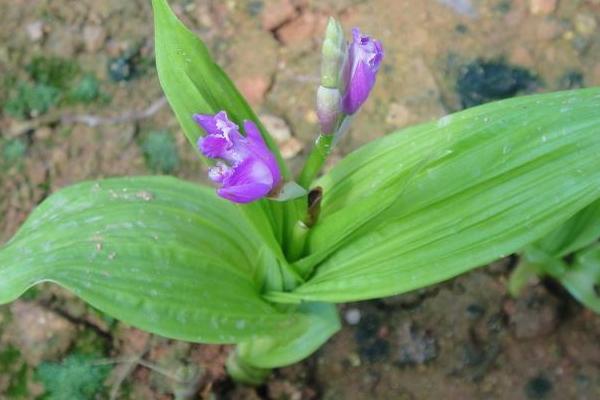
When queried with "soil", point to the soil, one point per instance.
{"points": [[80, 100]]}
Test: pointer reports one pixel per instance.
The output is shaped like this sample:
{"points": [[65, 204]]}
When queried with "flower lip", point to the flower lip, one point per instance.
{"points": [[245, 168]]}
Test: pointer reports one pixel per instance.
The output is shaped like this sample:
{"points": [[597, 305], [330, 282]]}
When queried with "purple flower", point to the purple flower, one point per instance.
{"points": [[245, 168], [360, 70]]}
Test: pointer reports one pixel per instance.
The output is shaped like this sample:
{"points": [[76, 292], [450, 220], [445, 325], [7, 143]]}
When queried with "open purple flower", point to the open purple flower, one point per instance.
{"points": [[362, 64], [246, 169]]}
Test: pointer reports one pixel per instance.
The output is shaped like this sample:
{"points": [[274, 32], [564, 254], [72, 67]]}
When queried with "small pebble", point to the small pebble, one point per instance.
{"points": [[276, 13], [277, 127], [94, 37], [35, 31], [42, 133], [291, 148], [415, 345], [352, 316], [542, 7]]}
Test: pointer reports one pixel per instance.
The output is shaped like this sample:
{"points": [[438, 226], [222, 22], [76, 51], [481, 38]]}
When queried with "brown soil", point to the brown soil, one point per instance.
{"points": [[465, 339]]}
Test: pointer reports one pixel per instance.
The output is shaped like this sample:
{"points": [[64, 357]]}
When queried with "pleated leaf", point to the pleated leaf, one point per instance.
{"points": [[578, 232], [194, 83], [158, 253], [436, 200], [191, 80]]}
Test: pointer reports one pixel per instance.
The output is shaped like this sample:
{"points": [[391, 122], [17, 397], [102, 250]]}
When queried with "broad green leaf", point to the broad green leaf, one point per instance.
{"points": [[194, 83], [457, 193], [578, 232], [156, 252], [191, 80]]}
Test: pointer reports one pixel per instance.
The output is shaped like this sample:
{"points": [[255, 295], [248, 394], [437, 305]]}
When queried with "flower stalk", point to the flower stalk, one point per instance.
{"points": [[348, 74]]}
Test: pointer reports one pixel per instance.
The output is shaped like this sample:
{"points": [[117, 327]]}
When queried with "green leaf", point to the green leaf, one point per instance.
{"points": [[321, 321], [191, 80], [578, 232], [582, 279], [194, 83], [155, 252], [534, 262], [456, 193]]}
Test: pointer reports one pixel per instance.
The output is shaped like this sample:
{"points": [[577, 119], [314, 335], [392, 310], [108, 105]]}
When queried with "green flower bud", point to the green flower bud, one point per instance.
{"points": [[333, 53], [329, 106]]}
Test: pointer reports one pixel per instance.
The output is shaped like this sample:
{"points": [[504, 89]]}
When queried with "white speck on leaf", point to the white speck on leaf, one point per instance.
{"points": [[145, 195]]}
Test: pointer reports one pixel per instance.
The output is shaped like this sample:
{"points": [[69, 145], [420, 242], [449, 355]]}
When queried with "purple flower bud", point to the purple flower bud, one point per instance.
{"points": [[246, 169], [362, 64]]}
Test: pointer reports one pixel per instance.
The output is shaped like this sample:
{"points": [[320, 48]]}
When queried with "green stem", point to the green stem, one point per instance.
{"points": [[244, 372], [315, 160], [298, 241]]}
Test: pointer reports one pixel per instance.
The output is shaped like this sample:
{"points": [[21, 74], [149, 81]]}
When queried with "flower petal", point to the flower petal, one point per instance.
{"points": [[213, 146], [246, 193], [245, 167], [361, 83], [363, 61], [250, 180], [259, 148], [207, 122]]}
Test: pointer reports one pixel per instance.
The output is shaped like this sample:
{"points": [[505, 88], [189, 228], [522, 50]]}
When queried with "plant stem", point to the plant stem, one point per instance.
{"points": [[315, 160], [242, 371], [298, 241]]}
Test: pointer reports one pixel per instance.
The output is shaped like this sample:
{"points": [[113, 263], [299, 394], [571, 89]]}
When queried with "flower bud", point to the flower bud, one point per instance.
{"points": [[333, 54], [364, 58], [329, 104]]}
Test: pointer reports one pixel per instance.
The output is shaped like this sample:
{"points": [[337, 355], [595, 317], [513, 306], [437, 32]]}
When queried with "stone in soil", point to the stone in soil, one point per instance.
{"points": [[352, 316], [94, 37], [276, 12], [415, 345], [283, 389], [35, 31], [277, 127], [254, 88], [302, 29], [542, 7], [39, 334], [291, 148]]}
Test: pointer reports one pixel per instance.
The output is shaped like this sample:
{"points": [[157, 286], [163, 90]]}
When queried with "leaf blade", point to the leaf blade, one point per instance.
{"points": [[476, 199], [161, 254]]}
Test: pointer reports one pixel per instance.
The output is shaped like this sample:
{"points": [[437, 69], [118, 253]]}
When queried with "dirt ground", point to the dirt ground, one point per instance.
{"points": [[80, 99]]}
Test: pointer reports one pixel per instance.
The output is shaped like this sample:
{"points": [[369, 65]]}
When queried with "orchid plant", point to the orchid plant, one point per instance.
{"points": [[262, 262]]}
